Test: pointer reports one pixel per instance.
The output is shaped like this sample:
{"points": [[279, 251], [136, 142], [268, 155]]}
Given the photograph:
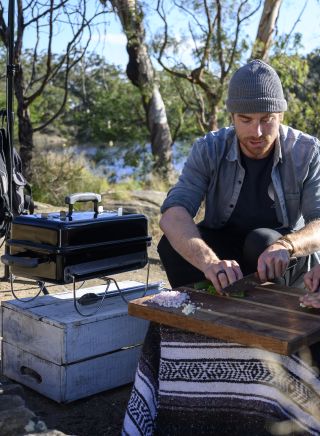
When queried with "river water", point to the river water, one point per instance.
{"points": [[119, 163]]}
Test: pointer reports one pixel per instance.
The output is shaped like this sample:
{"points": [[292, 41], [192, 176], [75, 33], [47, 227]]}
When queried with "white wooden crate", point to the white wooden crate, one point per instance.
{"points": [[49, 347]]}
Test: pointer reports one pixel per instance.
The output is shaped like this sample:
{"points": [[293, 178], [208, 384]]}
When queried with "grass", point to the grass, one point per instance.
{"points": [[56, 175]]}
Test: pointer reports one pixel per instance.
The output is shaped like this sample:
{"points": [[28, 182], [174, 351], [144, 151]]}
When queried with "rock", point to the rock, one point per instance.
{"points": [[8, 402], [147, 202], [35, 426], [10, 389], [15, 416]]}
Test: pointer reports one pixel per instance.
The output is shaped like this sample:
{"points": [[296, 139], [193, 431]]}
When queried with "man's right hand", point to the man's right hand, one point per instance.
{"points": [[185, 238], [223, 273]]}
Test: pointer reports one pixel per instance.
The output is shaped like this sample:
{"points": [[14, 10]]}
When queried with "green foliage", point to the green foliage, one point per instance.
{"points": [[300, 79], [104, 107], [105, 110], [181, 107]]}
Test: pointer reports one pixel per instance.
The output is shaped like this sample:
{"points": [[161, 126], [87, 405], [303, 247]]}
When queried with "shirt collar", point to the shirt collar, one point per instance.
{"points": [[234, 152]]}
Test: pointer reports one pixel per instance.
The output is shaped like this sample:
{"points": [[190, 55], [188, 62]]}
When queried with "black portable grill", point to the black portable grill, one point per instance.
{"points": [[65, 247]]}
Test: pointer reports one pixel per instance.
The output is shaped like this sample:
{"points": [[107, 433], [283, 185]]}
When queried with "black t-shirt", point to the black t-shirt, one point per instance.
{"points": [[255, 208]]}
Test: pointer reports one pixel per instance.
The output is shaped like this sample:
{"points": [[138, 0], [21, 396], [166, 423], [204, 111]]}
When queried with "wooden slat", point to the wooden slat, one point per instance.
{"points": [[252, 321]]}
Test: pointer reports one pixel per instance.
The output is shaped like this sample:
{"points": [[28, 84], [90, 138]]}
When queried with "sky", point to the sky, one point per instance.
{"points": [[308, 26], [113, 47]]}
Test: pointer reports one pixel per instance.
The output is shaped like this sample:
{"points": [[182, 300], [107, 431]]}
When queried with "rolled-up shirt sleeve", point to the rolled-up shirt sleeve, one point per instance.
{"points": [[194, 180]]}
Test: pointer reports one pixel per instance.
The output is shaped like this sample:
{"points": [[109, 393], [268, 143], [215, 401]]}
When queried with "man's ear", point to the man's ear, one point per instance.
{"points": [[281, 116]]}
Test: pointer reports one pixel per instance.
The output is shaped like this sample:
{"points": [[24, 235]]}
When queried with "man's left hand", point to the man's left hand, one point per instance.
{"points": [[311, 300], [273, 262]]}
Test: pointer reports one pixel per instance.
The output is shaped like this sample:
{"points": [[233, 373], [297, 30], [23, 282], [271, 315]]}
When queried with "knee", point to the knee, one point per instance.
{"points": [[164, 248], [256, 242], [261, 238]]}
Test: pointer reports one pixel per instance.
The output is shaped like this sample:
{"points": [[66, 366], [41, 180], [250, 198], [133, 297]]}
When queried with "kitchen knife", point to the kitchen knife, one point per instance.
{"points": [[247, 282]]}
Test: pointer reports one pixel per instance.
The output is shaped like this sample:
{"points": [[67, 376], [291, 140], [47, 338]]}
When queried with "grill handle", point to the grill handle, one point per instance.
{"points": [[82, 197], [24, 262]]}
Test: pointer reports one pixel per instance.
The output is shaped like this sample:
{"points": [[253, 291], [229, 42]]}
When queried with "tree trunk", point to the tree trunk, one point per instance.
{"points": [[24, 126], [213, 119], [266, 27], [141, 73]]}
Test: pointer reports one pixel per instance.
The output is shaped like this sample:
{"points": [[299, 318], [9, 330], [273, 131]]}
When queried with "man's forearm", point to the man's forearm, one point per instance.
{"points": [[306, 240], [184, 236]]}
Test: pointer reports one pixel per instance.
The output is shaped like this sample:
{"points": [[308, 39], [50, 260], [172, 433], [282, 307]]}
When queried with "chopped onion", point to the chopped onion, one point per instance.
{"points": [[188, 309], [170, 298]]}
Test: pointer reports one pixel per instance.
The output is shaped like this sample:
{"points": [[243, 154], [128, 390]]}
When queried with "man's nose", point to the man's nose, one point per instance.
{"points": [[256, 129]]}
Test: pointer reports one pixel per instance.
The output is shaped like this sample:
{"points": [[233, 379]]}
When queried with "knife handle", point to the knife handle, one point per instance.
{"points": [[292, 262]]}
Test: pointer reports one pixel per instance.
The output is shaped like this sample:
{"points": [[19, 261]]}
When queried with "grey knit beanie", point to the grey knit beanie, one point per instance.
{"points": [[255, 87]]}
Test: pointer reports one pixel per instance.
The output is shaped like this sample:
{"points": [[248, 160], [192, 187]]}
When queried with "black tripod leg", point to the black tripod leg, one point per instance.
{"points": [[6, 275], [43, 288]]}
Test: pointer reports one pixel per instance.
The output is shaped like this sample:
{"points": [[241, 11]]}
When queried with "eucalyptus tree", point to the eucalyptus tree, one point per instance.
{"points": [[44, 21], [268, 19], [143, 75]]}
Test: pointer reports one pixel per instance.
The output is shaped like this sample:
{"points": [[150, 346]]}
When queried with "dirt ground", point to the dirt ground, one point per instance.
{"points": [[101, 414]]}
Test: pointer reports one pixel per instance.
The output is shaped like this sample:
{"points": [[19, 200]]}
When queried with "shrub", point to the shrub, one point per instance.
{"points": [[59, 174]]}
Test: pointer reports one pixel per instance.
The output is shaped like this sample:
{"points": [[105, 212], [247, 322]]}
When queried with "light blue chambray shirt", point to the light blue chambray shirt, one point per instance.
{"points": [[213, 172]]}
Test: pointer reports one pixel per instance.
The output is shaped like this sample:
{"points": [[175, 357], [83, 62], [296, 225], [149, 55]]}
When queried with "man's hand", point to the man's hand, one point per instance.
{"points": [[311, 300], [273, 262], [312, 279], [184, 236], [222, 273], [312, 283]]}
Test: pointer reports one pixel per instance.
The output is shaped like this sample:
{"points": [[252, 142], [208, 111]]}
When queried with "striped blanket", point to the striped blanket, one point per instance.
{"points": [[187, 383]]}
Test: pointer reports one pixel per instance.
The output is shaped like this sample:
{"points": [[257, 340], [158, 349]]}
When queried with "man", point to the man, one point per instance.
{"points": [[261, 184]]}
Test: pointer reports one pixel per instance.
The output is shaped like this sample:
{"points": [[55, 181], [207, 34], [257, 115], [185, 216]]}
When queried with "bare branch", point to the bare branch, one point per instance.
{"points": [[236, 39], [50, 10], [164, 44], [219, 39], [70, 64], [188, 12], [51, 71], [34, 60], [294, 25]]}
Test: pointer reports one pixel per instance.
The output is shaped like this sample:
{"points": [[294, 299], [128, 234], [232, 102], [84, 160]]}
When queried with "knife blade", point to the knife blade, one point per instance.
{"points": [[247, 282]]}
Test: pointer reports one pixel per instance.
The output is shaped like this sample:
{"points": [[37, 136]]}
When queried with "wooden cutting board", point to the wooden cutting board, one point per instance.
{"points": [[268, 317]]}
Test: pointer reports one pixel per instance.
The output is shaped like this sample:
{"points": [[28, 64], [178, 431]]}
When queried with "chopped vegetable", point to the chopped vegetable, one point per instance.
{"points": [[238, 294], [205, 285], [189, 308], [202, 285], [212, 290]]}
